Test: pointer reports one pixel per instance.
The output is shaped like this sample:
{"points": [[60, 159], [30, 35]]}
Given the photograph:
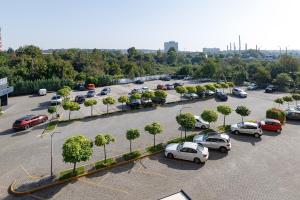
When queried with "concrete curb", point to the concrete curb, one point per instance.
{"points": [[12, 189]]}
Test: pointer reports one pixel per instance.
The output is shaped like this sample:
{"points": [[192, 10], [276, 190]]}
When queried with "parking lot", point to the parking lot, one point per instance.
{"points": [[265, 168]]}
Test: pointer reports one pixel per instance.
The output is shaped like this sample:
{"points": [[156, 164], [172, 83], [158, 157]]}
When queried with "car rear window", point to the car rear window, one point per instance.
{"points": [[18, 122]]}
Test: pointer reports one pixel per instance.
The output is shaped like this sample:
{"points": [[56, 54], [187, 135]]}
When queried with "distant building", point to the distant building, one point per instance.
{"points": [[170, 44], [4, 91], [211, 50]]}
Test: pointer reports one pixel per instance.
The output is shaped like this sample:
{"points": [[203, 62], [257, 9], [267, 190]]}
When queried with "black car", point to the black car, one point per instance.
{"points": [[221, 95], [165, 78], [177, 84], [146, 102], [80, 99], [170, 86], [133, 103], [270, 89], [209, 93], [90, 93], [292, 114], [158, 100], [80, 87], [105, 91], [139, 81]]}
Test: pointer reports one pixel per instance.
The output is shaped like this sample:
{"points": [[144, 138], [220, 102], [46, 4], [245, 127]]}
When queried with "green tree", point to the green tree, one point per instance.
{"points": [[187, 122], [200, 89], [76, 149], [148, 95], [136, 96], [262, 77], [230, 85], [71, 106], [191, 89], [279, 101], [160, 94], [209, 116], [287, 99], [283, 81], [122, 100], [90, 103], [224, 86], [243, 111], [181, 90], [103, 140], [224, 110], [108, 101], [154, 129], [51, 110], [296, 97], [171, 56], [132, 134], [210, 87], [64, 92]]}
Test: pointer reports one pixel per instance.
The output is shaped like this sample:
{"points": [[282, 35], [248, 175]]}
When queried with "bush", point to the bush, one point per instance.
{"points": [[189, 138], [132, 155], [51, 126], [151, 149], [69, 173], [275, 113], [102, 163]]}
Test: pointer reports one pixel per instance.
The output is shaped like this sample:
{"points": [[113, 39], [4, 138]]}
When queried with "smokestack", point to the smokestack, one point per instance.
{"points": [[246, 47], [256, 47], [230, 46], [239, 43], [234, 47], [227, 48]]}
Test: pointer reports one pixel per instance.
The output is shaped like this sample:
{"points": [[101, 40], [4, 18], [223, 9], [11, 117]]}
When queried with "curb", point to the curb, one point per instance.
{"points": [[12, 189]]}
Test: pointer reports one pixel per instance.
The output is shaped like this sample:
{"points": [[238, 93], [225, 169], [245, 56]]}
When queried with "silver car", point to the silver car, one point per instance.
{"points": [[214, 140], [239, 92], [247, 128]]}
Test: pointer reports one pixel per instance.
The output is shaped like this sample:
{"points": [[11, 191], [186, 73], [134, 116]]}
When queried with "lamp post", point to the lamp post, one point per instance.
{"points": [[180, 114]]}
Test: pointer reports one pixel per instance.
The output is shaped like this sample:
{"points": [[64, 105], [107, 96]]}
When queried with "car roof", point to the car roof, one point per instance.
{"points": [[191, 145], [26, 117], [249, 123], [272, 120]]}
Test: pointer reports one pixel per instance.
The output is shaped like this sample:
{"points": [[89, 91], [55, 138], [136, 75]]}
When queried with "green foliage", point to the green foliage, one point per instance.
{"points": [[189, 138], [65, 91], [132, 155], [191, 89], [76, 149], [288, 99], [123, 99], [71, 106], [243, 111], [148, 95], [187, 121], [51, 126], [108, 101], [103, 140], [283, 80], [153, 129], [70, 173], [105, 163], [132, 134], [210, 87], [209, 116], [262, 77], [153, 149], [275, 113], [230, 84], [160, 94], [280, 101], [181, 90], [200, 88], [136, 96], [90, 103], [224, 110], [296, 97], [51, 109], [216, 85]]}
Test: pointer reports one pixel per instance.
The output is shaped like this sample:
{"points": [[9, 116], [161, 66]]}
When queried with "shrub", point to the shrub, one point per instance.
{"points": [[157, 148], [275, 113], [132, 155], [103, 163], [69, 173]]}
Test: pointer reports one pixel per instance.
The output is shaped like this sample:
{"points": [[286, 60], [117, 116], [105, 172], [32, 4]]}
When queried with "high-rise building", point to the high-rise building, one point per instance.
{"points": [[170, 44]]}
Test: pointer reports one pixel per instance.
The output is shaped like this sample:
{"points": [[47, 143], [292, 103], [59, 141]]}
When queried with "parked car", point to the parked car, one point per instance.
{"points": [[146, 102], [139, 81], [271, 125], [292, 114], [190, 95], [209, 93], [42, 92], [80, 99], [187, 151], [221, 95], [144, 89], [214, 140], [91, 86], [177, 84], [133, 103], [200, 123], [170, 86], [137, 91], [161, 87], [239, 92], [90, 93], [247, 128], [105, 91], [80, 86], [29, 121], [56, 99], [252, 86], [270, 89], [297, 107], [165, 78], [158, 100], [188, 78]]}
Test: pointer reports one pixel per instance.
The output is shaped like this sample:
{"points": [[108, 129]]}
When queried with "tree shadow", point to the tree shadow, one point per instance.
{"points": [[19, 133], [42, 106], [245, 138], [293, 122], [7, 132], [176, 163], [271, 133]]}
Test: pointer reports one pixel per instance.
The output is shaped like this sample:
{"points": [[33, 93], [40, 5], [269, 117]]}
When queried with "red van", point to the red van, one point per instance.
{"points": [[91, 86], [271, 125]]}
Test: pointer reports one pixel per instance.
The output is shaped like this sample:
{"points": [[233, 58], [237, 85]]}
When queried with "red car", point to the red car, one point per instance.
{"points": [[161, 87], [271, 125], [91, 86], [29, 121]]}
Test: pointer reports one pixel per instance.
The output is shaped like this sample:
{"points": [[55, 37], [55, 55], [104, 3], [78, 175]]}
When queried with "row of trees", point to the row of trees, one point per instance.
{"points": [[288, 99], [199, 88], [80, 148]]}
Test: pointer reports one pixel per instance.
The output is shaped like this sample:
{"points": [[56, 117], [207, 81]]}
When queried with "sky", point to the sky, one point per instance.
{"points": [[147, 24]]}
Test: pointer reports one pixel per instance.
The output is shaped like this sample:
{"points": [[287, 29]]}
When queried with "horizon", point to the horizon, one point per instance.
{"points": [[124, 24]]}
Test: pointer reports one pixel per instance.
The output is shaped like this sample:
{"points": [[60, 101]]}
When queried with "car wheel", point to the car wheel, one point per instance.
{"points": [[236, 132], [197, 160], [170, 156], [278, 130], [26, 127], [223, 149], [256, 135]]}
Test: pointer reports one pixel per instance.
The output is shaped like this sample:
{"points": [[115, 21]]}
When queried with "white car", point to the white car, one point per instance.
{"points": [[144, 89], [42, 92], [56, 99], [252, 86], [191, 95], [214, 140], [200, 123], [187, 151], [239, 92], [247, 128]]}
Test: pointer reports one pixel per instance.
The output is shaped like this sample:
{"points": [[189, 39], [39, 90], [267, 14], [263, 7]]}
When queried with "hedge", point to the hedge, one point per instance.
{"points": [[275, 113], [103, 163], [132, 155], [69, 173]]}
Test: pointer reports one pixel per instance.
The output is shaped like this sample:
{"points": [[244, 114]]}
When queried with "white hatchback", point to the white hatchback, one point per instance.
{"points": [[187, 151]]}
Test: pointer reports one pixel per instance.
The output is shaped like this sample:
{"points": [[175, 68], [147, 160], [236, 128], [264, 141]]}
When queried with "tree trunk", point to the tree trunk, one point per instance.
{"points": [[154, 142], [122, 106], [184, 134], [107, 108], [181, 132], [69, 114], [104, 153], [242, 119], [91, 110], [130, 145], [74, 168], [224, 121], [288, 105]]}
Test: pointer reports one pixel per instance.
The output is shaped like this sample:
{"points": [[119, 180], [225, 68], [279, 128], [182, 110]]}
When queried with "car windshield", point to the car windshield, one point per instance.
{"points": [[240, 124], [56, 97], [18, 122], [179, 146]]}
